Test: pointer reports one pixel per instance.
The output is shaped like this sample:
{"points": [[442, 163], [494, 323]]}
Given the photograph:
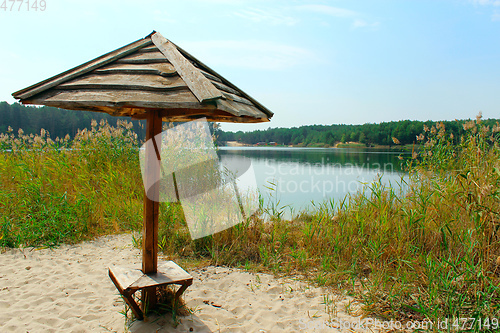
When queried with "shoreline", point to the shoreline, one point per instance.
{"points": [[235, 144]]}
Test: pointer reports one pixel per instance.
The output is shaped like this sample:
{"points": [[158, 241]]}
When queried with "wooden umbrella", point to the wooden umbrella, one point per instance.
{"points": [[156, 80]]}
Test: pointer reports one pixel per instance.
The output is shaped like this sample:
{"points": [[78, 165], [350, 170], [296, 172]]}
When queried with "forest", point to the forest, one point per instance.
{"points": [[60, 122], [402, 132], [57, 122]]}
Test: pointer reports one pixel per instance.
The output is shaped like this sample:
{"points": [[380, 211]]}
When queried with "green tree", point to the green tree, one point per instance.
{"points": [[362, 137]]}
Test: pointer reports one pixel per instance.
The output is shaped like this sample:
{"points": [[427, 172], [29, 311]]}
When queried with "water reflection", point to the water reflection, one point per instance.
{"points": [[299, 176], [368, 158]]}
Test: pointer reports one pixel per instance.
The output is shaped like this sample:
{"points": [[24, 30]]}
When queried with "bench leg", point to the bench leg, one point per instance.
{"points": [[136, 310], [178, 294], [148, 298], [128, 298]]}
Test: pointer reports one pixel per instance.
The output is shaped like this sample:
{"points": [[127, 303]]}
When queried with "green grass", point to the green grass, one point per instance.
{"points": [[68, 191], [430, 250]]}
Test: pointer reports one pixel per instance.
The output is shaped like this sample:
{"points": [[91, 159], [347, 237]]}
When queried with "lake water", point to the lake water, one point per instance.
{"points": [[296, 177]]}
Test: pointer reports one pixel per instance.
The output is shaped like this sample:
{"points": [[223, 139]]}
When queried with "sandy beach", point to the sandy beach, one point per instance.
{"points": [[67, 289]]}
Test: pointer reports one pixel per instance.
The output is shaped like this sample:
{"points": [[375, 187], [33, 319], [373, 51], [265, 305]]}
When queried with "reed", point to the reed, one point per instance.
{"points": [[428, 249], [67, 190]]}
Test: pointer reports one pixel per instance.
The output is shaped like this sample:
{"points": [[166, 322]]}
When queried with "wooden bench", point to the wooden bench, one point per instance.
{"points": [[128, 281]]}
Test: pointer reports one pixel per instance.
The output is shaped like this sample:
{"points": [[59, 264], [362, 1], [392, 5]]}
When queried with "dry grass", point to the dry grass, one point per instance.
{"points": [[429, 250]]}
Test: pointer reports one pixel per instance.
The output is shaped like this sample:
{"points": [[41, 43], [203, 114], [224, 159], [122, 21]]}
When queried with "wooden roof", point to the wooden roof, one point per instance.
{"points": [[150, 74]]}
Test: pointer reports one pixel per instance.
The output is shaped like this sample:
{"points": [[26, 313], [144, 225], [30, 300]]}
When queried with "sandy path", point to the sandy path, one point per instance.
{"points": [[68, 290]]}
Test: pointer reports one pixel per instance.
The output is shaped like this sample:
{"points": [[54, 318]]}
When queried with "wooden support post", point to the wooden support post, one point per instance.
{"points": [[151, 210]]}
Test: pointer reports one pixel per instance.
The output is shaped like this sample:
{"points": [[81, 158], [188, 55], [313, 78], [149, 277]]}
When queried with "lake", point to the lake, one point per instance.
{"points": [[296, 177]]}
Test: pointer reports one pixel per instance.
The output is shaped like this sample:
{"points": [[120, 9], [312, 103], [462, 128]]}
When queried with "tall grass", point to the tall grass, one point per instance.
{"points": [[429, 250], [69, 190]]}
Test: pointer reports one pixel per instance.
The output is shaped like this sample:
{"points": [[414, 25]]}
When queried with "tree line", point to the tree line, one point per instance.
{"points": [[386, 133], [57, 122], [60, 122]]}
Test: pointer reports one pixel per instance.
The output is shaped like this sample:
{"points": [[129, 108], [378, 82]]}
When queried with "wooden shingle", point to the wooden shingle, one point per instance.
{"points": [[150, 74]]}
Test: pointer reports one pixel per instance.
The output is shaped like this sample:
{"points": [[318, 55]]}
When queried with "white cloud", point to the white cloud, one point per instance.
{"points": [[358, 23], [265, 16], [224, 2], [329, 10], [487, 2], [251, 54], [495, 3]]}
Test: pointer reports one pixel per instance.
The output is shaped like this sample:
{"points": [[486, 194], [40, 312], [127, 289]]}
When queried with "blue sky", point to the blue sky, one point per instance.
{"points": [[310, 62]]}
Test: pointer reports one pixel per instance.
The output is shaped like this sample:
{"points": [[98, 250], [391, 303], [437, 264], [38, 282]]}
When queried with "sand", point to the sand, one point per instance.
{"points": [[67, 289]]}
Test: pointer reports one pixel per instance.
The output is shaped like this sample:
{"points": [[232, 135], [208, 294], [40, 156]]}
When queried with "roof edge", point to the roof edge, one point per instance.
{"points": [[81, 69], [226, 82]]}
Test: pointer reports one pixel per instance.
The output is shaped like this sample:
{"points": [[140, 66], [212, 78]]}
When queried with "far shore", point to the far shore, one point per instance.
{"points": [[350, 144]]}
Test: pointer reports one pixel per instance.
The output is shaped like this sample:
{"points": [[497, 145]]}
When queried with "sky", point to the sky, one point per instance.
{"points": [[310, 62]]}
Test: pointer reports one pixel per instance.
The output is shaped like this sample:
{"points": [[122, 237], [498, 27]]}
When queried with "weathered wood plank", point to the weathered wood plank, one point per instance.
{"points": [[182, 105], [176, 111], [210, 115], [188, 113], [80, 70], [151, 48], [141, 61], [121, 96], [135, 71], [125, 277], [119, 108], [223, 87], [218, 118], [121, 111], [168, 273], [127, 296], [224, 111], [163, 69], [125, 82], [201, 87], [144, 56], [239, 99], [117, 98], [129, 280], [239, 109], [204, 67], [210, 76]]}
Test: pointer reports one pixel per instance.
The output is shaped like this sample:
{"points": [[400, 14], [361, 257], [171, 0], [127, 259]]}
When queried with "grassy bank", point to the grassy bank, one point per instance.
{"points": [[69, 190], [432, 252]]}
